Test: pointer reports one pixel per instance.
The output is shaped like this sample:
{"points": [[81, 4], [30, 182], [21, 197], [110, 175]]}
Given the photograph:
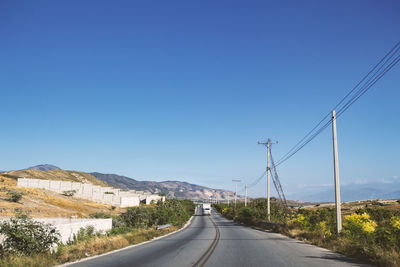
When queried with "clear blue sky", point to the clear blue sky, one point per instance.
{"points": [[183, 90]]}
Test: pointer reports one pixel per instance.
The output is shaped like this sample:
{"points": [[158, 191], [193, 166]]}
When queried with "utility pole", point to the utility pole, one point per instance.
{"points": [[268, 145], [236, 181], [245, 195], [336, 173]]}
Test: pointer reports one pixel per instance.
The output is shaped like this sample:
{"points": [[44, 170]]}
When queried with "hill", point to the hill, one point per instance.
{"points": [[56, 174], [43, 203], [44, 167], [172, 189]]}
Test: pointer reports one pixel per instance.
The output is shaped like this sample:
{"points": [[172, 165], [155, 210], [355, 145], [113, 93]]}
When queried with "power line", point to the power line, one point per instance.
{"points": [[379, 70], [255, 182]]}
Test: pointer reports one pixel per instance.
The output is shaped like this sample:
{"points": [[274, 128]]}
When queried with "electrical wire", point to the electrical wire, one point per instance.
{"points": [[255, 182], [386, 63]]}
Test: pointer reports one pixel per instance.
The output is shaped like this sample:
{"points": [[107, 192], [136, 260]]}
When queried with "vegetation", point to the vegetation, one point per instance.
{"points": [[370, 234], [255, 213], [14, 196], [24, 236], [134, 226], [175, 212], [69, 193], [40, 203]]}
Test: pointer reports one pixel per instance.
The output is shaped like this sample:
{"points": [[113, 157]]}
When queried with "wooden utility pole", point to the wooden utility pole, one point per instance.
{"points": [[336, 174]]}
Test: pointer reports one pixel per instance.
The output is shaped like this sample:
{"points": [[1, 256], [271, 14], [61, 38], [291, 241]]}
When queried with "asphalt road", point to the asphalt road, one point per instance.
{"points": [[216, 241]]}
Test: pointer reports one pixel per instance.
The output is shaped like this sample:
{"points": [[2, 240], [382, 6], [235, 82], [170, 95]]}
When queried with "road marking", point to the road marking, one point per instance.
{"points": [[204, 258]]}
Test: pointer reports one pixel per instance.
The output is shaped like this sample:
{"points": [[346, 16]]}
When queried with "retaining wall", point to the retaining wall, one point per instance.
{"points": [[106, 195], [70, 227]]}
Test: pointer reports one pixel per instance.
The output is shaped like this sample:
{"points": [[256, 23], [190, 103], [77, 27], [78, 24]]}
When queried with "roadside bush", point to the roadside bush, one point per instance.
{"points": [[321, 220], [119, 230], [24, 236], [228, 212], [84, 234], [172, 211], [358, 226], [248, 215], [137, 217], [100, 215]]}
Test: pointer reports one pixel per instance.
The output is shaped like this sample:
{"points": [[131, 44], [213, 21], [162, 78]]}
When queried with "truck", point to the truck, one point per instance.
{"points": [[206, 209]]}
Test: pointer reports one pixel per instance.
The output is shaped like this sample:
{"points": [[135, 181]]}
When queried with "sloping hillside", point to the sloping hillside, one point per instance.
{"points": [[44, 203], [57, 174]]}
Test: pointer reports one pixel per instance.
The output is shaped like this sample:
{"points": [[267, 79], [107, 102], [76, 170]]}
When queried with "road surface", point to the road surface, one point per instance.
{"points": [[216, 241]]}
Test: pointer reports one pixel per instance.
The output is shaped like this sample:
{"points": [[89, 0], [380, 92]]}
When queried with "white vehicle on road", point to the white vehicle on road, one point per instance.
{"points": [[206, 209]]}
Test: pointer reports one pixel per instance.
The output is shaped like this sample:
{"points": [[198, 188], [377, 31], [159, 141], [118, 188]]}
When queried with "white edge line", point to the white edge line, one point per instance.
{"points": [[129, 247]]}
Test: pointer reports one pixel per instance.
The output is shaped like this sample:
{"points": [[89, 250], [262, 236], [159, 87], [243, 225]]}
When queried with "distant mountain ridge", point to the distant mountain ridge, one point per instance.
{"points": [[172, 189], [44, 167], [351, 192]]}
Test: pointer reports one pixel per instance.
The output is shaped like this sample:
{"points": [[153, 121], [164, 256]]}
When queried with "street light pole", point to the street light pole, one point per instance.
{"points": [[236, 181]]}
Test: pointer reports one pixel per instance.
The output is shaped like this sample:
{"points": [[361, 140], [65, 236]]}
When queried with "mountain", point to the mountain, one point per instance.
{"points": [[44, 167], [351, 192], [172, 189]]}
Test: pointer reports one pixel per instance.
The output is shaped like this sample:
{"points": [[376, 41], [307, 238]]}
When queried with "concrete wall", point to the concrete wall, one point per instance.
{"points": [[55, 186], [129, 202], [70, 227], [65, 186], [44, 184], [153, 198], [106, 195]]}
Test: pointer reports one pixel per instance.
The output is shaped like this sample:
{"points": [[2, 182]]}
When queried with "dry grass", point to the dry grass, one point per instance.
{"points": [[29, 261], [44, 203], [94, 246], [61, 175], [101, 245], [359, 249]]}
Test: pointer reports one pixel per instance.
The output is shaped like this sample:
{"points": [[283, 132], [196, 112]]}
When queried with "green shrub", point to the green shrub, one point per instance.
{"points": [[69, 193], [24, 236], [100, 215], [138, 217], [171, 211], [248, 215], [119, 230], [14, 196], [84, 234]]}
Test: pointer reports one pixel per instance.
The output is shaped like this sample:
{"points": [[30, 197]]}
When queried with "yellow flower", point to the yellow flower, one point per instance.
{"points": [[300, 218], [395, 222], [360, 222]]}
